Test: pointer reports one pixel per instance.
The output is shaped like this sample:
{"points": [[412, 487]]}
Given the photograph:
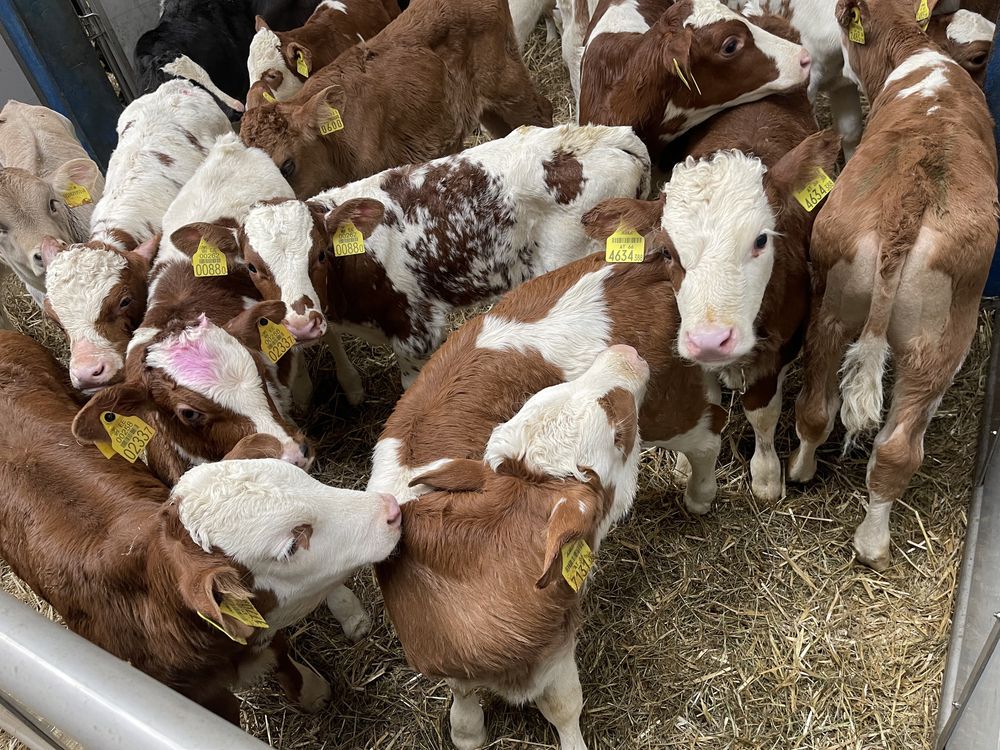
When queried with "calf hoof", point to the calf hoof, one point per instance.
{"points": [[767, 490], [698, 506], [468, 740], [799, 468], [354, 389], [315, 692], [355, 396], [682, 469], [357, 626], [871, 552]]}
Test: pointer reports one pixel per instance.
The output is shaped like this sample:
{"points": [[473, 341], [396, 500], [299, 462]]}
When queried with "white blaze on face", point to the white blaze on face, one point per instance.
{"points": [[967, 27], [77, 282], [716, 212], [207, 360], [563, 428], [254, 510], [265, 53], [281, 235]]}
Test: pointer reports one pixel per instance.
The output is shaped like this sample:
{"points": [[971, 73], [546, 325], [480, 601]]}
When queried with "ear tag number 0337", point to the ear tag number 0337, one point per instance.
{"points": [[577, 560], [810, 196], [348, 240], [275, 339], [129, 436], [238, 609], [208, 260], [625, 246], [333, 123], [856, 32], [76, 195]]}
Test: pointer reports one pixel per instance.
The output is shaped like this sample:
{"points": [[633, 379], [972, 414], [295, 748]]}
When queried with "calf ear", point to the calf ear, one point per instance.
{"points": [[292, 52], [259, 23], [677, 38], [365, 213], [147, 250], [458, 475], [315, 112], [244, 326], [845, 12], [188, 237], [608, 216], [573, 516], [81, 171], [50, 248], [798, 167], [255, 446], [124, 398]]}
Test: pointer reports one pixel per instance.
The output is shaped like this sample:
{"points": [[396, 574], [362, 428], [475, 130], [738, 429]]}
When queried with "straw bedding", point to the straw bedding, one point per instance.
{"points": [[749, 628]]}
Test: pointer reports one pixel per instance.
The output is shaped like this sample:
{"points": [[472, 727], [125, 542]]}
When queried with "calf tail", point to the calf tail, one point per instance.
{"points": [[184, 67], [864, 364]]}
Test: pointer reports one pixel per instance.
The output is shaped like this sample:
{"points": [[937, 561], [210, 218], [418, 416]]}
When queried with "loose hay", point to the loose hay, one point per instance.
{"points": [[749, 628]]}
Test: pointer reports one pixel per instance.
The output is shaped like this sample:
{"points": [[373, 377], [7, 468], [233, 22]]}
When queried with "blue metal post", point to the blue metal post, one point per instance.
{"points": [[992, 88], [64, 69]]}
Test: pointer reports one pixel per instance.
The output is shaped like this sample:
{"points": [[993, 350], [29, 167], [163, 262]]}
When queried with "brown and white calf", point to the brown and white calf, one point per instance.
{"points": [[663, 67], [900, 254], [130, 565], [411, 93], [44, 167], [476, 593], [967, 37], [96, 290], [333, 27], [439, 236]]}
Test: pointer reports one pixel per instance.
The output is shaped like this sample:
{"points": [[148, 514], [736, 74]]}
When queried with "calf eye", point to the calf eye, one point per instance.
{"points": [[251, 268], [126, 301], [287, 168], [53, 205], [731, 46], [979, 60], [761, 242], [188, 415]]}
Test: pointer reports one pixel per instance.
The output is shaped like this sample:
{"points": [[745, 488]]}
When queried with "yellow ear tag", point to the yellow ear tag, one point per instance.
{"points": [[810, 196], [76, 195], [129, 435], [856, 32], [267, 96], [208, 260], [301, 65], [275, 339], [577, 560], [625, 246], [242, 610], [923, 15], [105, 448], [348, 240], [217, 626], [333, 123]]}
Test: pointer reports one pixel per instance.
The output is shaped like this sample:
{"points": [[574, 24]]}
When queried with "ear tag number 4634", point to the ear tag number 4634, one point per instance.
{"points": [[625, 246], [810, 196], [129, 436], [275, 339]]}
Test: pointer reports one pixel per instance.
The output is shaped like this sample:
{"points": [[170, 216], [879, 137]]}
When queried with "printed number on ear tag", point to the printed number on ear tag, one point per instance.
{"points": [[625, 246], [301, 65], [77, 195], [810, 196], [208, 260], [923, 15], [577, 560], [241, 610], [333, 122], [348, 240], [267, 96], [129, 436], [856, 32], [275, 339]]}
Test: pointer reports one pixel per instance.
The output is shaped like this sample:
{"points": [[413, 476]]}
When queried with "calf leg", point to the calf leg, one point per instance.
{"points": [[347, 373], [561, 701], [468, 726], [301, 384], [848, 120], [301, 685], [762, 404], [347, 610]]}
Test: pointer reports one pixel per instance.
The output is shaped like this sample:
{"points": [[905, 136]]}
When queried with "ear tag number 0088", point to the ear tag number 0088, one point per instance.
{"points": [[208, 260], [577, 560], [275, 339], [348, 240], [129, 436], [810, 196], [625, 246]]}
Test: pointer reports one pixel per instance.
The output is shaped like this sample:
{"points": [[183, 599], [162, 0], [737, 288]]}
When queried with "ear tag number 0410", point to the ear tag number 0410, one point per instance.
{"points": [[348, 240], [76, 195], [810, 196], [275, 339], [856, 32], [238, 609], [625, 246], [577, 560], [129, 436], [333, 122], [208, 260]]}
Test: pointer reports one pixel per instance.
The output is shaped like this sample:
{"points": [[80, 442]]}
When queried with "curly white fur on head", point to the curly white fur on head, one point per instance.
{"points": [[716, 212], [265, 54], [967, 27]]}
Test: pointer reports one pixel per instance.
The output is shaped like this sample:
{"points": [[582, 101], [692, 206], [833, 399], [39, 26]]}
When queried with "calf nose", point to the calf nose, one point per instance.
{"points": [[805, 61], [91, 375], [392, 511], [306, 328], [297, 452], [711, 342], [48, 248]]}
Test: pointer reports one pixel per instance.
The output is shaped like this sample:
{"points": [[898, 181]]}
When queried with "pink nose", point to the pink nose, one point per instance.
{"points": [[299, 454], [711, 343], [392, 512], [804, 60], [306, 327]]}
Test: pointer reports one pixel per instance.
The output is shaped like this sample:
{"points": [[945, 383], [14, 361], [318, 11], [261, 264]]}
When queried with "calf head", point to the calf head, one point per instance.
{"points": [[712, 58], [97, 295], [289, 131], [719, 224], [203, 388], [269, 51], [32, 209], [286, 246], [297, 537], [967, 37]]}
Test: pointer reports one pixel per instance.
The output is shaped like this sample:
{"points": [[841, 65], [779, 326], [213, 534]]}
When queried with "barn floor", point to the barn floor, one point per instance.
{"points": [[749, 628]]}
